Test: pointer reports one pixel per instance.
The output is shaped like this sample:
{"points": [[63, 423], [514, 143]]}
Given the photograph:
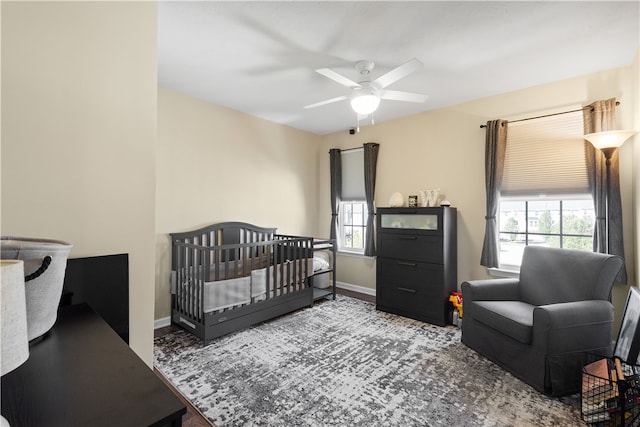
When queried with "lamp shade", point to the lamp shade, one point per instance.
{"points": [[609, 139], [365, 99], [13, 317]]}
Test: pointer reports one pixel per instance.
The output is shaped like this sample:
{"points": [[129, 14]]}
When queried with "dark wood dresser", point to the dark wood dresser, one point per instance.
{"points": [[83, 374], [417, 265]]}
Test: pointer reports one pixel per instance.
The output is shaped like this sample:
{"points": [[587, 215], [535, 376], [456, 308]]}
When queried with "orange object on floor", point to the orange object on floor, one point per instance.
{"points": [[456, 299]]}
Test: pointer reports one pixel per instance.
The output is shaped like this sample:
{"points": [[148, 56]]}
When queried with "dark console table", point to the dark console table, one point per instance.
{"points": [[83, 374]]}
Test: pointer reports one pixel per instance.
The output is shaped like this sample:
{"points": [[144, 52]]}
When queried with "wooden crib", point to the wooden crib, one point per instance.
{"points": [[231, 275]]}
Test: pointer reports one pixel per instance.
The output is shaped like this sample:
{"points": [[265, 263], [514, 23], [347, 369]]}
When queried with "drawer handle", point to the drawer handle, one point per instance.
{"points": [[412, 291], [407, 264], [408, 237]]}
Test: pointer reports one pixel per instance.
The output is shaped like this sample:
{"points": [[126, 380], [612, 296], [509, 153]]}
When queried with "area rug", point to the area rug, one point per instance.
{"points": [[342, 363]]}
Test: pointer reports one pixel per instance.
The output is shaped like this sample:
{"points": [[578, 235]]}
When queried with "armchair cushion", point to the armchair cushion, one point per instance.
{"points": [[513, 318], [550, 275]]}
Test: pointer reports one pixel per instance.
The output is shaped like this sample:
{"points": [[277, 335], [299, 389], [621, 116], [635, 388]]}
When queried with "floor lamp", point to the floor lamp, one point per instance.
{"points": [[608, 142]]}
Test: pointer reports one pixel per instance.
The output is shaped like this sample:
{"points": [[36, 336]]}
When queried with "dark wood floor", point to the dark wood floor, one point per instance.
{"points": [[193, 418]]}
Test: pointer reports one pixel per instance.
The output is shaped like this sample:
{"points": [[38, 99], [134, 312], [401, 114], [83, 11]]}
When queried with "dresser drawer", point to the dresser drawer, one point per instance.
{"points": [[418, 275], [411, 247], [413, 289], [412, 303]]}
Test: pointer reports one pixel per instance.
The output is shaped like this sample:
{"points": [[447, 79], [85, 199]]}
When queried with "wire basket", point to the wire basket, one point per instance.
{"points": [[610, 393]]}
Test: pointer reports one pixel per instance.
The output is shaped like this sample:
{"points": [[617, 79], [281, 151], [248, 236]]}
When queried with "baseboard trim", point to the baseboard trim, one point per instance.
{"points": [[166, 321], [356, 288], [161, 323]]}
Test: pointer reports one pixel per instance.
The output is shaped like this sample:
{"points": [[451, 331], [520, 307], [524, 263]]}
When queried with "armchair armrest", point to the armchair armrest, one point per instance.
{"points": [[490, 290], [572, 326]]}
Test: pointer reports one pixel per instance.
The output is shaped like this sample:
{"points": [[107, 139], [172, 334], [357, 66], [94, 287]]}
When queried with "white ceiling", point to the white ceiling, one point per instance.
{"points": [[260, 57]]}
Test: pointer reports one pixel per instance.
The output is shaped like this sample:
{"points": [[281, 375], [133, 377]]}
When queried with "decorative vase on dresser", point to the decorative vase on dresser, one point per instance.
{"points": [[417, 262]]}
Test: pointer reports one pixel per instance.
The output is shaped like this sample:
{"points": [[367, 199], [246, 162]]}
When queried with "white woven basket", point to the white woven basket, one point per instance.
{"points": [[45, 262]]}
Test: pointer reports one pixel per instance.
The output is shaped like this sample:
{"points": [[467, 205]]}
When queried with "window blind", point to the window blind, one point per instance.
{"points": [[353, 175], [545, 156]]}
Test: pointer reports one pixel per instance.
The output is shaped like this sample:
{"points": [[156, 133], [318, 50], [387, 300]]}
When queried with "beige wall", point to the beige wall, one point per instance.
{"points": [[445, 149], [215, 164], [78, 135], [632, 153]]}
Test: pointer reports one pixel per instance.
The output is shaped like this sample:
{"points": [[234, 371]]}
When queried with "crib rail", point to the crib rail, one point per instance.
{"points": [[262, 266]]}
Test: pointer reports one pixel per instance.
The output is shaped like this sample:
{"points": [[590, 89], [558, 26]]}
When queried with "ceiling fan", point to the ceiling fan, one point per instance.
{"points": [[366, 95]]}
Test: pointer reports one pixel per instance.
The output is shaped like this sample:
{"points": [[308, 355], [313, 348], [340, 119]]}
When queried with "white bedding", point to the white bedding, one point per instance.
{"points": [[321, 261]]}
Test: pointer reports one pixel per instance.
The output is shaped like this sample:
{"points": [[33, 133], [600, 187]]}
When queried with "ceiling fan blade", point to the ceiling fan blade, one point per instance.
{"points": [[338, 78], [397, 95], [328, 101], [397, 73]]}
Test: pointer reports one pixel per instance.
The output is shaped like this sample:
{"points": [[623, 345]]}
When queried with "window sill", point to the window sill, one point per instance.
{"points": [[352, 254], [503, 272]]}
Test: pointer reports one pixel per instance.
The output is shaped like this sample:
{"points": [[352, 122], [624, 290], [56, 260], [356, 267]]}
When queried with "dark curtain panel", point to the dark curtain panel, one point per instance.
{"points": [[601, 117], [335, 165], [495, 148], [370, 161]]}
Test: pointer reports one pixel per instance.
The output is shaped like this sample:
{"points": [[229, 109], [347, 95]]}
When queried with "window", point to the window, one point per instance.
{"points": [[554, 222], [545, 197], [353, 208], [353, 226]]}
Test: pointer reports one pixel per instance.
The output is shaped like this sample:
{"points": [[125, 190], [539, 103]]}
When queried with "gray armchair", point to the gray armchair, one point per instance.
{"points": [[540, 327]]}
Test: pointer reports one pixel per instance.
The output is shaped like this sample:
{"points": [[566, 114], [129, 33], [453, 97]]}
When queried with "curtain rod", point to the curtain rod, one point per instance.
{"points": [[352, 148], [549, 115]]}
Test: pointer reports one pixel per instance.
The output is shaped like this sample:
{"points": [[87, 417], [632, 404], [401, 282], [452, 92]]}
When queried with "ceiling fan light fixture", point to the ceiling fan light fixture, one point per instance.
{"points": [[365, 96], [365, 104], [365, 99]]}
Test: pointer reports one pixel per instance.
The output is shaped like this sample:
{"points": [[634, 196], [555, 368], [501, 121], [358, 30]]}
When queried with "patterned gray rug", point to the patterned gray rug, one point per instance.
{"points": [[342, 363]]}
